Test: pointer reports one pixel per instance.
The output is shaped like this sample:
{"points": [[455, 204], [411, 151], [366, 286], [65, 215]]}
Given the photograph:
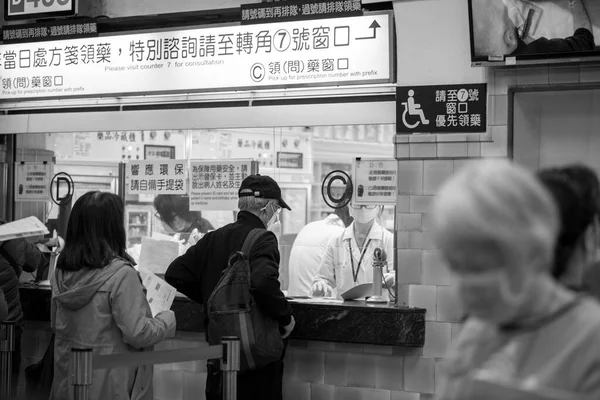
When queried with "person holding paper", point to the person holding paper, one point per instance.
{"points": [[198, 271], [496, 227], [98, 301], [16, 256]]}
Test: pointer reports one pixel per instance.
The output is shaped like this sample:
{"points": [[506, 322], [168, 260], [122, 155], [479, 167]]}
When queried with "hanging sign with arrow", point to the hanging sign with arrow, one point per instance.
{"points": [[293, 10]]}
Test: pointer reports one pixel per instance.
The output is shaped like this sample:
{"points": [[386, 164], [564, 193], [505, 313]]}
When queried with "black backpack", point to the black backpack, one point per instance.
{"points": [[232, 311]]}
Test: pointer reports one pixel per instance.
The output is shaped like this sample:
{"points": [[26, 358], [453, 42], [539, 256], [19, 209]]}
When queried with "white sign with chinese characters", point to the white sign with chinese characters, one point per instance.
{"points": [[157, 177], [32, 181], [215, 184], [324, 51], [375, 181]]}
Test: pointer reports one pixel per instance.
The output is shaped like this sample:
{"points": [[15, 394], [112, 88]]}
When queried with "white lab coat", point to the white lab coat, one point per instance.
{"points": [[307, 252], [336, 265]]}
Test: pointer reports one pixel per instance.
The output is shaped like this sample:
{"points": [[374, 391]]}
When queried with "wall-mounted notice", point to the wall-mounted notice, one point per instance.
{"points": [[215, 183], [32, 181], [157, 177], [375, 181], [285, 54]]}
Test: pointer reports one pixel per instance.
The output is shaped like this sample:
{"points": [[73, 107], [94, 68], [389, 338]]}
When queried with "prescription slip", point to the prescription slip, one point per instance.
{"points": [[156, 255], [22, 228], [159, 293]]}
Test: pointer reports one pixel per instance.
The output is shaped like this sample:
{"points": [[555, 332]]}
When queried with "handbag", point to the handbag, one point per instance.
{"points": [[39, 376], [232, 311]]}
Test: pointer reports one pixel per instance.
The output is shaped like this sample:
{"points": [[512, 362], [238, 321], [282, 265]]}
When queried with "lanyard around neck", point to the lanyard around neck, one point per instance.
{"points": [[357, 270]]}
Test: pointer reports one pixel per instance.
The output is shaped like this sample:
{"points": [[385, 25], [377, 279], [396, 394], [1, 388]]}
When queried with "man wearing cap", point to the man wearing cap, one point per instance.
{"points": [[197, 272]]}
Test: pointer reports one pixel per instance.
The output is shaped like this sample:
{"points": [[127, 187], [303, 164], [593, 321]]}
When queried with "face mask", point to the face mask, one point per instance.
{"points": [[488, 296], [274, 220], [364, 215]]}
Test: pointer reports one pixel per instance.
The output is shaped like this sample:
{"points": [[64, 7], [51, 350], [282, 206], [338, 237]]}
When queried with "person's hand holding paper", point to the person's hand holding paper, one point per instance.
{"points": [[159, 293]]}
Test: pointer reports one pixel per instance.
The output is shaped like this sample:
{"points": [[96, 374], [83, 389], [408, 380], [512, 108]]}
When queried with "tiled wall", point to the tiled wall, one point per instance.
{"points": [[425, 162]]}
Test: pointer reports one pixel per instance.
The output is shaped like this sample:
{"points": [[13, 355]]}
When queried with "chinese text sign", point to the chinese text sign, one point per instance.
{"points": [[299, 9], [315, 52], [33, 181], [215, 184], [441, 109], [375, 181], [157, 177]]}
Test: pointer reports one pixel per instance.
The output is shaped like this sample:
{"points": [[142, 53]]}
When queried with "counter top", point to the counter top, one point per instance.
{"points": [[346, 322]]}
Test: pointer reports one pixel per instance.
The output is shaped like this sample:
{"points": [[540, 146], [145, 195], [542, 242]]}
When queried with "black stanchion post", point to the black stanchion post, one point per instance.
{"points": [[7, 347], [81, 373], [230, 365]]}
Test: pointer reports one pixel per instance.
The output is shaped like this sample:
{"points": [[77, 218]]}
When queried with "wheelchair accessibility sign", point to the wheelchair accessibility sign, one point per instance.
{"points": [[441, 109]]}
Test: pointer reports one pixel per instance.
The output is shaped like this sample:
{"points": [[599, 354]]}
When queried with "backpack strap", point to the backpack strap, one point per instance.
{"points": [[251, 239]]}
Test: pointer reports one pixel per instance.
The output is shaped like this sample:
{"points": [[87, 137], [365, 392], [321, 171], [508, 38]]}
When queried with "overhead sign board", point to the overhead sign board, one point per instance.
{"points": [[297, 53], [441, 109], [46, 31], [257, 13], [375, 181], [33, 9]]}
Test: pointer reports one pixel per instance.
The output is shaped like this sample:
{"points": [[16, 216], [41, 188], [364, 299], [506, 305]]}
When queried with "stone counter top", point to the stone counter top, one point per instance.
{"points": [[346, 322]]}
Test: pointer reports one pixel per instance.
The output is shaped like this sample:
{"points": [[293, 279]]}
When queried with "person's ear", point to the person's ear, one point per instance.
{"points": [[511, 37]]}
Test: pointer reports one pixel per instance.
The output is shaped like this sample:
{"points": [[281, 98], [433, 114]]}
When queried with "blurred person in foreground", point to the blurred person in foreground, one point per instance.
{"points": [[496, 226], [309, 246], [98, 301], [16, 256], [198, 271], [576, 191]]}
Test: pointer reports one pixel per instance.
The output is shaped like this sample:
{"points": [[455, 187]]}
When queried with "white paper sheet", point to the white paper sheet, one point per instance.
{"points": [[156, 255], [26, 227], [159, 293]]}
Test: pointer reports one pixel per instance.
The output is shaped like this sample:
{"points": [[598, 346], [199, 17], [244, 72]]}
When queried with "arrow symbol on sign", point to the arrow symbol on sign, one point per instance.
{"points": [[373, 26]]}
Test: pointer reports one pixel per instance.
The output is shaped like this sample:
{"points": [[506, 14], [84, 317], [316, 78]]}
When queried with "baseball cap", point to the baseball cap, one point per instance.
{"points": [[262, 186]]}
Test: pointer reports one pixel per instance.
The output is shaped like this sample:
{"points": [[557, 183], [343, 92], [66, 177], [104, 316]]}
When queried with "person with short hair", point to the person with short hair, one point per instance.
{"points": [[576, 191], [98, 301], [174, 212], [496, 227], [198, 271]]}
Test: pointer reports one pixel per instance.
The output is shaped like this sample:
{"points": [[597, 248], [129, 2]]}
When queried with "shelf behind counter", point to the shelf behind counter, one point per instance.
{"points": [[347, 322]]}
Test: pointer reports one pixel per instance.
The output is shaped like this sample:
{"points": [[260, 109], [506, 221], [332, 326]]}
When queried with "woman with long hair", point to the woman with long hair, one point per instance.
{"points": [[98, 301]]}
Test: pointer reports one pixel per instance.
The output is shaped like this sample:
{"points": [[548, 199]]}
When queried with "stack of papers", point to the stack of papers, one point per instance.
{"points": [[22, 228]]}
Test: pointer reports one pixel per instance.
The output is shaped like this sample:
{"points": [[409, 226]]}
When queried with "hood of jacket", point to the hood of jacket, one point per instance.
{"points": [[75, 289]]}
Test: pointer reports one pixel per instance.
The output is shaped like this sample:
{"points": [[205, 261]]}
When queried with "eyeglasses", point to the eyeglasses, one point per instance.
{"points": [[359, 206]]}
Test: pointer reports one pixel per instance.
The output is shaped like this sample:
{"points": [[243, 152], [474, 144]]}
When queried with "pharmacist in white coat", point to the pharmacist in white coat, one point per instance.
{"points": [[348, 258]]}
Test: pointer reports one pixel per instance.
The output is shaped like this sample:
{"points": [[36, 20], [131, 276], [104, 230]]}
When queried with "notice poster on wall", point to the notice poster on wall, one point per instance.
{"points": [[157, 177], [32, 181], [375, 181], [353, 50], [215, 183]]}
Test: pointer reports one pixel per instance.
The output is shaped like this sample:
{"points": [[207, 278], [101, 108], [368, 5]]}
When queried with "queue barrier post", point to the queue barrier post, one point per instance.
{"points": [[7, 348], [230, 365], [83, 363]]}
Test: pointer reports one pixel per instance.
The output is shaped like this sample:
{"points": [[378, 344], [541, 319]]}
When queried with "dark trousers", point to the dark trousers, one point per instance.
{"points": [[265, 383], [16, 363]]}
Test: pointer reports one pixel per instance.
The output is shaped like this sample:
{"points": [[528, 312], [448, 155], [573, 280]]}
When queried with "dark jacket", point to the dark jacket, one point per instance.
{"points": [[27, 258], [197, 272], [3, 307], [582, 40]]}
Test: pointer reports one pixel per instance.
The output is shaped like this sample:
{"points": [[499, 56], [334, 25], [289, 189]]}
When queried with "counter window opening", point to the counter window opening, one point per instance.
{"points": [[298, 158]]}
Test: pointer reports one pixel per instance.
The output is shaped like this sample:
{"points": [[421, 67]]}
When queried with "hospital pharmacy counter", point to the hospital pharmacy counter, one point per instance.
{"points": [[331, 321]]}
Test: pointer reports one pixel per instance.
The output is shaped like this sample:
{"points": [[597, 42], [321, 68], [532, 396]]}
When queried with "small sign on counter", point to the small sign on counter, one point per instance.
{"points": [[32, 181], [375, 181]]}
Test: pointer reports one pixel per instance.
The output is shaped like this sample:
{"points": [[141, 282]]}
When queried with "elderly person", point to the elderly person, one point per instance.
{"points": [[496, 227]]}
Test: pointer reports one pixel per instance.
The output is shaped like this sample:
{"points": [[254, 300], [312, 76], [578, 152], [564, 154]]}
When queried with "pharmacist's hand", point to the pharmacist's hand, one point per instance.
{"points": [[389, 280], [169, 318], [287, 330], [321, 289]]}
